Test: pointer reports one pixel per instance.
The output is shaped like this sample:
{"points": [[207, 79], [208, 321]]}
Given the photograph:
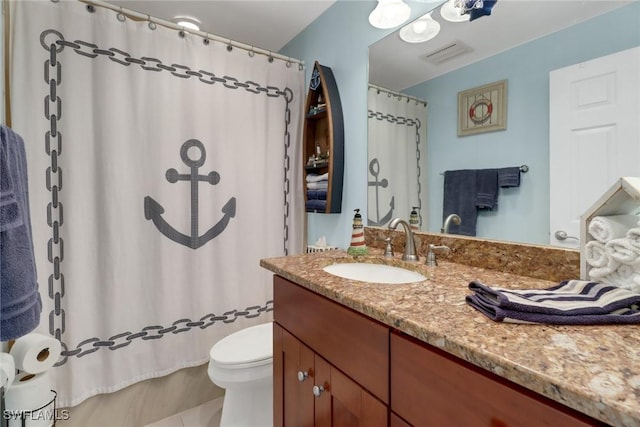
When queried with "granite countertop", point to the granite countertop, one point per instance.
{"points": [[593, 369]]}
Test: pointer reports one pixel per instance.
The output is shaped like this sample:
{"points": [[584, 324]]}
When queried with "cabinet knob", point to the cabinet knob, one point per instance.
{"points": [[302, 375], [317, 390]]}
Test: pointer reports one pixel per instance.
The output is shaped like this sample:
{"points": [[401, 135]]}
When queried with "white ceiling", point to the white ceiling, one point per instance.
{"points": [[394, 64], [266, 24], [397, 65]]}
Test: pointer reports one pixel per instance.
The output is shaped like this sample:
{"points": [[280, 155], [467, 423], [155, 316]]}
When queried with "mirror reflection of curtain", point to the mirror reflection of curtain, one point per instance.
{"points": [[397, 156]]}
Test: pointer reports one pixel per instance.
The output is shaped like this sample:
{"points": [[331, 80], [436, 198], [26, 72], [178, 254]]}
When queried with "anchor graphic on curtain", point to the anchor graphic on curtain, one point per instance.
{"points": [[153, 210], [374, 168]]}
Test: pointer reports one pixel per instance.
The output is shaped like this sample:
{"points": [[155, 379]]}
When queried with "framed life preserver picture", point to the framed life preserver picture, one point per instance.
{"points": [[482, 109]]}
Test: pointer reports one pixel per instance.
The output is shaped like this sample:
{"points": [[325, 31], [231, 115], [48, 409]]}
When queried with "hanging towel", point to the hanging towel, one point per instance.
{"points": [[486, 188], [20, 302], [572, 302], [509, 177], [605, 228], [460, 192]]}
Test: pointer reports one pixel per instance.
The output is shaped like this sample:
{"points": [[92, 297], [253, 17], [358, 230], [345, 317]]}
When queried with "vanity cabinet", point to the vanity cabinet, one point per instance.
{"points": [[336, 367], [331, 364], [432, 388]]}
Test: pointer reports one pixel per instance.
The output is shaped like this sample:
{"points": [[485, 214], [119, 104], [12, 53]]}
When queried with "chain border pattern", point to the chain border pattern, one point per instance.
{"points": [[403, 121], [54, 43]]}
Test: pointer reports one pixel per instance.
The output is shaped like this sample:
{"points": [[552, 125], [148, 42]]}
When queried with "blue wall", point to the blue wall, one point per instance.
{"points": [[522, 213], [340, 39]]}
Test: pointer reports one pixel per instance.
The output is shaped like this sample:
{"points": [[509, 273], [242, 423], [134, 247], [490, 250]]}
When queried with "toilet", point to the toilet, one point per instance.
{"points": [[242, 364]]}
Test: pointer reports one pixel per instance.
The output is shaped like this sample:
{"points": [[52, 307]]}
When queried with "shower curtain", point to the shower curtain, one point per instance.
{"points": [[161, 170], [397, 156]]}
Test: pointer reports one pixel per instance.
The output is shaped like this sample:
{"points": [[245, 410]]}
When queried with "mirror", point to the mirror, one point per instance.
{"points": [[520, 43]]}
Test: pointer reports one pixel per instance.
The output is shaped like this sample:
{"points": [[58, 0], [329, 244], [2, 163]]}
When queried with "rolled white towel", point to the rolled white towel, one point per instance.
{"points": [[625, 276], [623, 251], [634, 236], [595, 254], [605, 228], [597, 273]]}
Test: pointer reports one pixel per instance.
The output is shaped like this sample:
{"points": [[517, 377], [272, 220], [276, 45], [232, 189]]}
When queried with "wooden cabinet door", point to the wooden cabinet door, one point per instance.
{"points": [[344, 403], [432, 388], [293, 381]]}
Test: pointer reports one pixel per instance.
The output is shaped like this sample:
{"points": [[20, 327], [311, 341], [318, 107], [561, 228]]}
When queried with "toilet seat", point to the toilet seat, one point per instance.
{"points": [[248, 347]]}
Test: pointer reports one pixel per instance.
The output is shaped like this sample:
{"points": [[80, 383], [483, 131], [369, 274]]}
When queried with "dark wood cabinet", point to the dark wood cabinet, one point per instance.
{"points": [[432, 388], [336, 367], [323, 146]]}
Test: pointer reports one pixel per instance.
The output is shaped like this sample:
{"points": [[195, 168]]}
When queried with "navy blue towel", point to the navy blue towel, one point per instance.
{"points": [[572, 302], [20, 303], [509, 177], [487, 188], [315, 205], [460, 192]]}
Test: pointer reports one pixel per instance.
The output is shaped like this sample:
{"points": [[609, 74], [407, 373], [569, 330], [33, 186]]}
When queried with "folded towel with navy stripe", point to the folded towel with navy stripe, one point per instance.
{"points": [[317, 195], [572, 302]]}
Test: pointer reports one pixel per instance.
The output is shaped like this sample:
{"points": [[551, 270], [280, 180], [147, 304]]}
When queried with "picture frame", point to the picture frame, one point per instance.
{"points": [[482, 109]]}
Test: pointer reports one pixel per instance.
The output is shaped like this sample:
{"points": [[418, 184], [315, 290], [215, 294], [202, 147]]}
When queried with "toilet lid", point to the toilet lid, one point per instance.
{"points": [[247, 345]]}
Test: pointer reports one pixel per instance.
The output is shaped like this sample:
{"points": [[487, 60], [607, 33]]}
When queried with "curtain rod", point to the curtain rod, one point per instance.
{"points": [[389, 91], [203, 34]]}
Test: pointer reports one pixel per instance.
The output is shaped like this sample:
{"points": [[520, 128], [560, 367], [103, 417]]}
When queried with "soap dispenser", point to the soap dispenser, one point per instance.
{"points": [[414, 219], [358, 245]]}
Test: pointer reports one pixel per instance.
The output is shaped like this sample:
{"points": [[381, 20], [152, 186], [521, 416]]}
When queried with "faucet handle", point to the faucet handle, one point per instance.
{"points": [[431, 256], [388, 250]]}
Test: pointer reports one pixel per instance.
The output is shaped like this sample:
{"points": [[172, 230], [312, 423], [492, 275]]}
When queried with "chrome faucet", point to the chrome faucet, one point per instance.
{"points": [[447, 222], [409, 242]]}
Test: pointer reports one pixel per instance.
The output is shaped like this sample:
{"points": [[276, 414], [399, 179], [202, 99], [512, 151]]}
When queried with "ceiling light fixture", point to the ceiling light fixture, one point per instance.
{"points": [[421, 30], [452, 11], [389, 14], [466, 10], [187, 22]]}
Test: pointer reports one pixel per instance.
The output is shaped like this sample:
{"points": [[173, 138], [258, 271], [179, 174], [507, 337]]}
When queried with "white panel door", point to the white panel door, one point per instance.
{"points": [[594, 136]]}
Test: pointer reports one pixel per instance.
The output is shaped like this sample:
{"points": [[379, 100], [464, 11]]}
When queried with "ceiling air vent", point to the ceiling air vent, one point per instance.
{"points": [[447, 52]]}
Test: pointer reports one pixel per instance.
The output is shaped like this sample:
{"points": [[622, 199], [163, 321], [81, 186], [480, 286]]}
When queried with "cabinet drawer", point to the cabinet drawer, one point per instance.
{"points": [[430, 387], [355, 344]]}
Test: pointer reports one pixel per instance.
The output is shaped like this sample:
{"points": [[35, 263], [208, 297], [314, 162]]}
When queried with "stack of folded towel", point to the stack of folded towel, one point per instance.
{"points": [[614, 255], [572, 302], [317, 186]]}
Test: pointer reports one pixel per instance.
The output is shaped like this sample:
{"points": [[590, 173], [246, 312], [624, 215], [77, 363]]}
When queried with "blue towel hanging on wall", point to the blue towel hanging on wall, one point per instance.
{"points": [[20, 302]]}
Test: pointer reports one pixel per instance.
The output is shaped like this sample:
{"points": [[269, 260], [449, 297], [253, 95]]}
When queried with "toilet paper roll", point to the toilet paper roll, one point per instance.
{"points": [[7, 370], [35, 353], [29, 399]]}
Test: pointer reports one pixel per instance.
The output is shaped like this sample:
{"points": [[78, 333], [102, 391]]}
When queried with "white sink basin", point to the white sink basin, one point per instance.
{"points": [[374, 273]]}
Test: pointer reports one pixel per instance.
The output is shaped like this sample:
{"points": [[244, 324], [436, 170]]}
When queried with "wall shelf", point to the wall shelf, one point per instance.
{"points": [[323, 147]]}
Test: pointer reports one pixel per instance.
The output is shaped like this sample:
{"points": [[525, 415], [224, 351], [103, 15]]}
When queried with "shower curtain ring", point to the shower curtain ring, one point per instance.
{"points": [[251, 52], [270, 57], [152, 25], [206, 40], [120, 16], [229, 46], [289, 62]]}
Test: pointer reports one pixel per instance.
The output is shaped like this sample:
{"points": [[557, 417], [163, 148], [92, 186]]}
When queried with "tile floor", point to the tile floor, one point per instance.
{"points": [[206, 415]]}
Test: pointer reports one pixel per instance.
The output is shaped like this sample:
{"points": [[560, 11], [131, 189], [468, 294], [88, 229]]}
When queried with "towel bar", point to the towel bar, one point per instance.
{"points": [[523, 169]]}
